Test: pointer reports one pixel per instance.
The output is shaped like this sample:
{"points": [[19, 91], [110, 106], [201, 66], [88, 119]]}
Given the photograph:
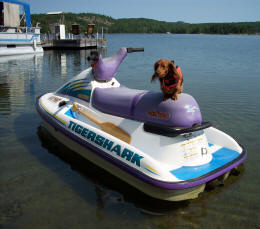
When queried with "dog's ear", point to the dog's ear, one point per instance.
{"points": [[173, 69], [154, 77], [156, 64]]}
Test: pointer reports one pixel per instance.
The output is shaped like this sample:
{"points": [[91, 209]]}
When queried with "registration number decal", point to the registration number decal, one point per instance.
{"points": [[192, 148]]}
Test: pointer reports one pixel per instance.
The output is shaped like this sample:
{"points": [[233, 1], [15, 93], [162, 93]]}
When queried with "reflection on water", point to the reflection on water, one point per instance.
{"points": [[17, 77], [64, 63], [4, 99]]}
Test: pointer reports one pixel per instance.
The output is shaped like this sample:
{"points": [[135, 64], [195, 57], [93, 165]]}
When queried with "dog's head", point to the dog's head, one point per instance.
{"points": [[164, 67], [93, 58]]}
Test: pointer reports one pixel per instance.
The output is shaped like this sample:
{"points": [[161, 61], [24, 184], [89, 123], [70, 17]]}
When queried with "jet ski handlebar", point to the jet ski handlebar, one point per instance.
{"points": [[129, 50], [106, 68]]}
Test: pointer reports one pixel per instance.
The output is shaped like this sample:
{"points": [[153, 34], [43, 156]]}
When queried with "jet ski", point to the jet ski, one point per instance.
{"points": [[162, 148]]}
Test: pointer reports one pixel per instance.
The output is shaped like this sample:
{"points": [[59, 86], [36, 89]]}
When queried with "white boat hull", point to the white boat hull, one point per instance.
{"points": [[20, 50], [156, 177]]}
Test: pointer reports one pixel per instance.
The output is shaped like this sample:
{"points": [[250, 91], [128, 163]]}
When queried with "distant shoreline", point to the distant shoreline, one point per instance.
{"points": [[230, 34], [144, 25]]}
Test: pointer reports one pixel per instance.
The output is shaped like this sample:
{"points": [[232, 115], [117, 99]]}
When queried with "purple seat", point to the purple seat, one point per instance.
{"points": [[118, 101], [147, 106]]}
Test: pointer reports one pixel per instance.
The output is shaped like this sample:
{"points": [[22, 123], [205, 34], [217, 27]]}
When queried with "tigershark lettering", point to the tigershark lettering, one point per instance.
{"points": [[84, 132], [72, 125], [91, 135], [127, 154], [99, 140], [106, 144], [117, 149], [136, 159], [78, 129]]}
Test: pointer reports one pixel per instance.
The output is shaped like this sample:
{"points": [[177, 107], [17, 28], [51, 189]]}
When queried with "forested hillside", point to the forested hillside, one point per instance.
{"points": [[83, 19], [143, 25]]}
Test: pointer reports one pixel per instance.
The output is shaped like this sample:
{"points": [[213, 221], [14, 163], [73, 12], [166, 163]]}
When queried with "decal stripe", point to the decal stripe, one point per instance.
{"points": [[61, 121], [151, 170]]}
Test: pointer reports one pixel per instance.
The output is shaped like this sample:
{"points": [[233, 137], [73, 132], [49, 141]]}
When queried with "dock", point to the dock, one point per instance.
{"points": [[81, 43], [75, 38]]}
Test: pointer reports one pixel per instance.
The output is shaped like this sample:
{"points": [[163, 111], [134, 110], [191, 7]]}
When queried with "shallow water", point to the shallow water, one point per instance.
{"points": [[45, 185]]}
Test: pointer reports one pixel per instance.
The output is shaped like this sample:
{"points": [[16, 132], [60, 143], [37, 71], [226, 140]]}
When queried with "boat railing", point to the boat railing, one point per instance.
{"points": [[49, 37], [11, 30], [26, 35]]}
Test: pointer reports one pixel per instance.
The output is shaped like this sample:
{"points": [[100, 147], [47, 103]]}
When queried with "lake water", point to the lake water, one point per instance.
{"points": [[45, 185]]}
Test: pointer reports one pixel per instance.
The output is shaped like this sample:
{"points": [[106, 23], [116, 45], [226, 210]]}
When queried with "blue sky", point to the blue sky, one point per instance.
{"points": [[191, 11]]}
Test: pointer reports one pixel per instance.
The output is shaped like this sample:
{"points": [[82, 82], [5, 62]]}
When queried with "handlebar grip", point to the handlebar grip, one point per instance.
{"points": [[129, 50]]}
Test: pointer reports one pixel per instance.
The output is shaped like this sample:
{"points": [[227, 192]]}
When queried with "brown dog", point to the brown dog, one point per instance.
{"points": [[170, 77]]}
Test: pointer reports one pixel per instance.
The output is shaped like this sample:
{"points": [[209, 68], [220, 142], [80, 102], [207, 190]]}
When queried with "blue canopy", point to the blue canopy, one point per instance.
{"points": [[26, 7]]}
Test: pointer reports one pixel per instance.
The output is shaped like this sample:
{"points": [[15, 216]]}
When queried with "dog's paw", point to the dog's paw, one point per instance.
{"points": [[165, 97], [174, 97]]}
